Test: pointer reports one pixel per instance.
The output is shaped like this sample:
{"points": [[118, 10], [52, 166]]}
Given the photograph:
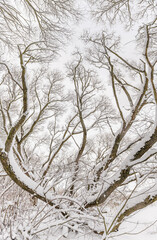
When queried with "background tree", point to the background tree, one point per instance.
{"points": [[91, 163]]}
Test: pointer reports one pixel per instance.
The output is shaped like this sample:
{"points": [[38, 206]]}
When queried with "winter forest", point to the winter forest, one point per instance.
{"points": [[78, 118]]}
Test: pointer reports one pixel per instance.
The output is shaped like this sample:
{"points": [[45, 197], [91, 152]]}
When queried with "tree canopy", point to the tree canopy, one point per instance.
{"points": [[78, 142]]}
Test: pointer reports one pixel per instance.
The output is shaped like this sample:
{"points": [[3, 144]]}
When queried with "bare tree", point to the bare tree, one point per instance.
{"points": [[127, 11], [28, 21], [63, 142]]}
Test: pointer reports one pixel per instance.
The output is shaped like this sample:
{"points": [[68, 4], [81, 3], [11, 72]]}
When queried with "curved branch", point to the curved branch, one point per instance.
{"points": [[15, 128]]}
